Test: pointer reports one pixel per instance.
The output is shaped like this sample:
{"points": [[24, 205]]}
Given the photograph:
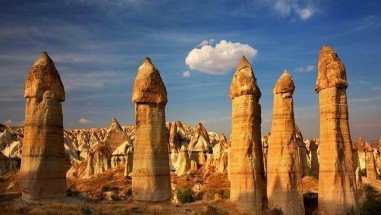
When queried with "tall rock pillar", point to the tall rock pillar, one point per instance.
{"points": [[43, 171], [337, 180], [150, 172], [246, 167], [284, 174]]}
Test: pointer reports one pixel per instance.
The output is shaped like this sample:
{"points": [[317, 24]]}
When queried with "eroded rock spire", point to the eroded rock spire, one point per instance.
{"points": [[246, 167], [337, 180], [150, 176], [43, 171], [284, 177]]}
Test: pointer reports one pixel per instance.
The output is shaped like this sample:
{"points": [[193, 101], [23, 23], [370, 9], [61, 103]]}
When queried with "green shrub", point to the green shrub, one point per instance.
{"points": [[85, 210], [276, 210], [72, 193], [370, 202], [185, 195], [226, 194], [127, 193], [105, 188]]}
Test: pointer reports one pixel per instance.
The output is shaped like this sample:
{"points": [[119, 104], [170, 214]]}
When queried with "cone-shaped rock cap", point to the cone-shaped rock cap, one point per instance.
{"points": [[148, 86], [244, 81], [285, 84], [330, 70], [41, 77], [115, 125]]}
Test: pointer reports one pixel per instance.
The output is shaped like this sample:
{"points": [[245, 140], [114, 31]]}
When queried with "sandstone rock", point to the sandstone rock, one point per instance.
{"points": [[129, 160], [248, 183], [150, 177], [370, 162], [43, 171], [303, 153], [284, 175], [8, 164], [183, 161], [337, 181], [313, 148], [98, 159], [220, 155], [115, 135], [199, 145]]}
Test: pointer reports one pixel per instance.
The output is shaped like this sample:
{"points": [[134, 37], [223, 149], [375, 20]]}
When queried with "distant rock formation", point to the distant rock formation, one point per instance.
{"points": [[150, 176], [199, 145], [115, 135], [370, 162], [337, 181], [246, 168], [313, 148], [98, 159], [304, 159], [43, 171], [284, 175]]}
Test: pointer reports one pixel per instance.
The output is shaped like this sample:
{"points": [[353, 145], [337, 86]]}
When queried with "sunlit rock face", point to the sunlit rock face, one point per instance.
{"points": [[150, 176], [284, 174], [246, 168], [337, 181], [10, 149], [370, 162], [43, 172]]}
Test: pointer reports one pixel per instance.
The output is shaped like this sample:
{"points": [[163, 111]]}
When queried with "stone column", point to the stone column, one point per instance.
{"points": [[337, 181], [246, 168], [150, 176], [43, 171], [370, 163], [284, 175]]}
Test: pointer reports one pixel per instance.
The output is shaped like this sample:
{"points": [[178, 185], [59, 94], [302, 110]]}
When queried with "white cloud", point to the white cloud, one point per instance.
{"points": [[304, 13], [206, 42], [304, 9], [282, 7], [220, 58], [186, 74], [306, 69], [85, 121]]}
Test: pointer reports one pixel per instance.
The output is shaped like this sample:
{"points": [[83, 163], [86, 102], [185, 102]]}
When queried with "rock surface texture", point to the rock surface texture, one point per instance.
{"points": [[337, 180], [43, 171], [284, 175], [150, 176], [246, 168]]}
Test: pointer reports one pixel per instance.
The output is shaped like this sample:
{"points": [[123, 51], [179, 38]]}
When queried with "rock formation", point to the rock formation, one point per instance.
{"points": [[313, 148], [284, 175], [183, 161], [43, 171], [129, 152], [150, 176], [337, 181], [115, 135], [246, 168], [303, 153], [98, 159], [370, 162], [199, 145]]}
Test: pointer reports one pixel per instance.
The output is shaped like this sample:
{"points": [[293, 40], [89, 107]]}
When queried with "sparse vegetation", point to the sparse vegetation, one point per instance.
{"points": [[85, 210], [226, 194], [115, 197], [276, 210], [185, 195], [127, 193], [72, 192], [370, 202]]}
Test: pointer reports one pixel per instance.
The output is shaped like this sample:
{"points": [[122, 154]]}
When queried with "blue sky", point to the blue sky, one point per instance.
{"points": [[97, 46]]}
